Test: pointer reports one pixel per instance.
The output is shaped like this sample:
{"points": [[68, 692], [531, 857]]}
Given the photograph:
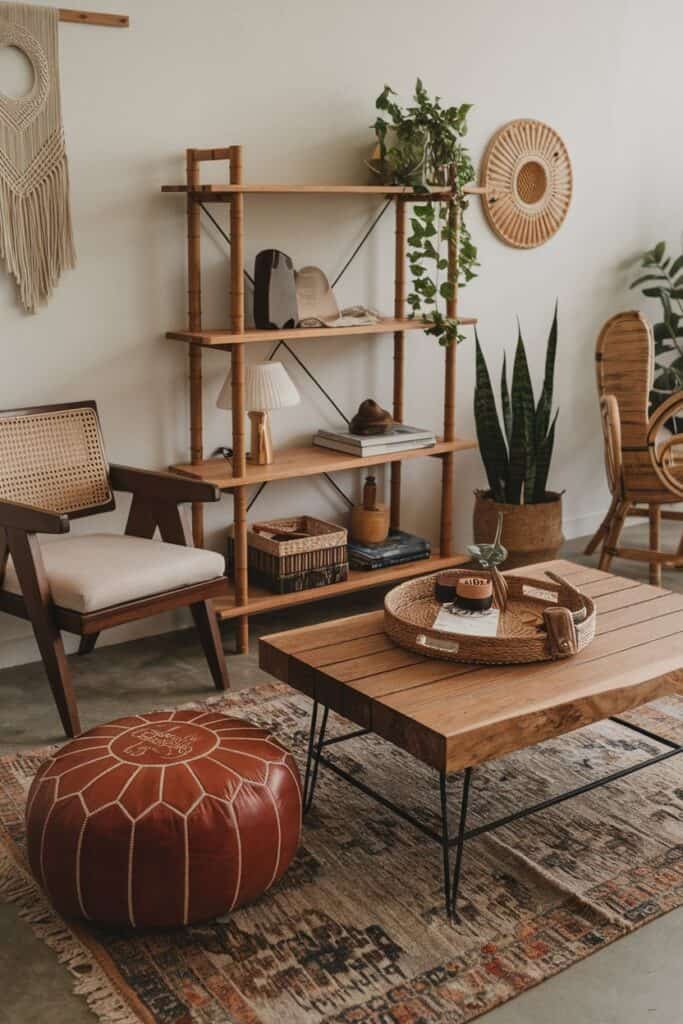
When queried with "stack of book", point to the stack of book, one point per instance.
{"points": [[398, 548], [401, 438]]}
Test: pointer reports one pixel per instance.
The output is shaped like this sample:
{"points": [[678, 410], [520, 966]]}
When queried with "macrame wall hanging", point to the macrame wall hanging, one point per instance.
{"points": [[36, 238]]}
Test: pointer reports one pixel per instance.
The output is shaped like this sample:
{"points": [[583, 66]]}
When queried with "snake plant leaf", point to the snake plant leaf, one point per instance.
{"points": [[544, 454], [522, 449], [489, 434], [505, 400], [545, 401]]}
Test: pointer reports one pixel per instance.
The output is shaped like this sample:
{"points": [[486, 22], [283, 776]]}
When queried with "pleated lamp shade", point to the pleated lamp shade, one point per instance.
{"points": [[267, 386]]}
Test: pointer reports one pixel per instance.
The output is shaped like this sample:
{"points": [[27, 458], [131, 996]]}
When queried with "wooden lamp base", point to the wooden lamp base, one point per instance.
{"points": [[261, 449]]}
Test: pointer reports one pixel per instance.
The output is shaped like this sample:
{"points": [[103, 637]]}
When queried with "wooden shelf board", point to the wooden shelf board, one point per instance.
{"points": [[261, 600], [221, 338], [308, 460], [223, 192]]}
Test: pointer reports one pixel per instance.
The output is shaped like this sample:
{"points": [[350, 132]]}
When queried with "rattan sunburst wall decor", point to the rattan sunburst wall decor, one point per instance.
{"points": [[528, 174]]}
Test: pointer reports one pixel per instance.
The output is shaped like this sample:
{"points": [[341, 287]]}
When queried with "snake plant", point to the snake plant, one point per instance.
{"points": [[517, 454]]}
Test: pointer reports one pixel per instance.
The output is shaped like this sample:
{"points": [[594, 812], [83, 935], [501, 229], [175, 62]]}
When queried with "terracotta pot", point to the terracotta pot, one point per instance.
{"points": [[531, 533]]}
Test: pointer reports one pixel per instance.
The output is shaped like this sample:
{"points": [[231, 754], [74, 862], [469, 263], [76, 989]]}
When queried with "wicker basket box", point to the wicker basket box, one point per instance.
{"points": [[302, 563]]}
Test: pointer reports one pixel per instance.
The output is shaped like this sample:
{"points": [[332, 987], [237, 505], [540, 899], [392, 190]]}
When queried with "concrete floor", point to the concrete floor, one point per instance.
{"points": [[636, 980]]}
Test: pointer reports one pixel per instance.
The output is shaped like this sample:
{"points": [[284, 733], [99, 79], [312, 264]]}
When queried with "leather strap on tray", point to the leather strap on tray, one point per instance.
{"points": [[562, 638]]}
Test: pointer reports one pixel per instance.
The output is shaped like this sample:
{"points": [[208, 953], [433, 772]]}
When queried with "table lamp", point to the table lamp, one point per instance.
{"points": [[267, 386]]}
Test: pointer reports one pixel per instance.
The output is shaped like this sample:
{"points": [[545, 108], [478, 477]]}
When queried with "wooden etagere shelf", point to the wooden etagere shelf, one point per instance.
{"points": [[261, 600], [221, 339], [224, 193], [237, 475], [307, 460]]}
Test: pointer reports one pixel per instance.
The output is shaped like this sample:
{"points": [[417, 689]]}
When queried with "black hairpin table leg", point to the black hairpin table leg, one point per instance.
{"points": [[315, 747], [460, 845], [452, 885]]}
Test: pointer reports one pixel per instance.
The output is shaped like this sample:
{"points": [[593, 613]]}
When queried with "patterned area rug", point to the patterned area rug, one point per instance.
{"points": [[355, 932]]}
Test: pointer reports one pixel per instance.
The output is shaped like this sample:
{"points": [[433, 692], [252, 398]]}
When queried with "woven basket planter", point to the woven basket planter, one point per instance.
{"points": [[531, 533]]}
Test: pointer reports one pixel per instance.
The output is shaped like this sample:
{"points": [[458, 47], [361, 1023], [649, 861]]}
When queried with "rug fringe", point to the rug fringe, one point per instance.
{"points": [[89, 979]]}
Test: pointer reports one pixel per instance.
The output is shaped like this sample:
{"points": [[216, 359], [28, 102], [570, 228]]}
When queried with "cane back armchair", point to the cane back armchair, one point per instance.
{"points": [[643, 456], [53, 469]]}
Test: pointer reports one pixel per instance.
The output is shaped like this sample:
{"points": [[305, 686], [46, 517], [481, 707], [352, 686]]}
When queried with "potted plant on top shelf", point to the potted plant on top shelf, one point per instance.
{"points": [[419, 146], [517, 457]]}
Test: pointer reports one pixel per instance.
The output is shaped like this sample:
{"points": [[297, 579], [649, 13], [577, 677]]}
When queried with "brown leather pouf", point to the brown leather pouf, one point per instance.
{"points": [[163, 819]]}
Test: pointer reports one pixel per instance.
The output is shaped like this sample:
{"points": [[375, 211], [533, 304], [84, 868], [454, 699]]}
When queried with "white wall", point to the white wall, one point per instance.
{"points": [[295, 84]]}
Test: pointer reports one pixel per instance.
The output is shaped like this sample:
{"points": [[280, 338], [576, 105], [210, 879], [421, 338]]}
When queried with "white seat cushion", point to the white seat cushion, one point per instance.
{"points": [[99, 570]]}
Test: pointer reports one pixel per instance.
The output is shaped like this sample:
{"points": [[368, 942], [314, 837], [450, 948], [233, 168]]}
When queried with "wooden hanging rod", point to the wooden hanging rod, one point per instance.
{"points": [[94, 18]]}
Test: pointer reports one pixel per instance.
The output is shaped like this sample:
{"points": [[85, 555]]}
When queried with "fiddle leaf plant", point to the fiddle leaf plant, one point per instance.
{"points": [[517, 453], [421, 145], [664, 281]]}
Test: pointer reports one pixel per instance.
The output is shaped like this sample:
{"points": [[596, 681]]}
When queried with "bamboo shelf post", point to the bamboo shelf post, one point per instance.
{"points": [[399, 353], [448, 462], [194, 316], [238, 409]]}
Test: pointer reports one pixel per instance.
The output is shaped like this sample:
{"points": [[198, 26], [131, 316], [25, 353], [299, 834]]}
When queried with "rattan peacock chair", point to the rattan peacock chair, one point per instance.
{"points": [[643, 459]]}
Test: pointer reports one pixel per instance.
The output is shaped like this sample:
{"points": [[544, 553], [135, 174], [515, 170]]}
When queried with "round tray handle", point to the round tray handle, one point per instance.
{"points": [[581, 613], [446, 646]]}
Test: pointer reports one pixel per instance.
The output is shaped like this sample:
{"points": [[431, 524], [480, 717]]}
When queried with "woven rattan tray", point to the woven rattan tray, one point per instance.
{"points": [[411, 608]]}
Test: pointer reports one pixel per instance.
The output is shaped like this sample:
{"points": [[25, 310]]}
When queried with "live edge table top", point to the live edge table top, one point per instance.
{"points": [[453, 716]]}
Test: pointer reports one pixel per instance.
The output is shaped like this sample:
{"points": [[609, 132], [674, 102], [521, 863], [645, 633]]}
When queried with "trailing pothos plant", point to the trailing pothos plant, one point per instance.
{"points": [[664, 280], [517, 455], [421, 145]]}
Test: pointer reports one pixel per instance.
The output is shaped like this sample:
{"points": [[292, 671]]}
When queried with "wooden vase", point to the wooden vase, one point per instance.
{"points": [[370, 525]]}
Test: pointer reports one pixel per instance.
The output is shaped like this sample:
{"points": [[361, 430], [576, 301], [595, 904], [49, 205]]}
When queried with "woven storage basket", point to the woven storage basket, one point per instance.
{"points": [[320, 535], [303, 563], [411, 608]]}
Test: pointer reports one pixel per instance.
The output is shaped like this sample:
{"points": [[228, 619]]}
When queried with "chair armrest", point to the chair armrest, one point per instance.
{"points": [[158, 486], [15, 516]]}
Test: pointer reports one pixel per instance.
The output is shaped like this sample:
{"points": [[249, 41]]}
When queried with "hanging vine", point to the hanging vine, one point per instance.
{"points": [[420, 146]]}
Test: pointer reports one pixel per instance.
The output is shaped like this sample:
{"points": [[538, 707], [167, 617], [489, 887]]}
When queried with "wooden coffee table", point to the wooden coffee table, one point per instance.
{"points": [[454, 717]]}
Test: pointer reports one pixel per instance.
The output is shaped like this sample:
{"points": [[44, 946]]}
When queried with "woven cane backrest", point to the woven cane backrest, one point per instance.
{"points": [[624, 362], [53, 457]]}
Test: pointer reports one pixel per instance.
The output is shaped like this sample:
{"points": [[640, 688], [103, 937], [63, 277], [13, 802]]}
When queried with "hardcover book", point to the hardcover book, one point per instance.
{"points": [[398, 548], [400, 438]]}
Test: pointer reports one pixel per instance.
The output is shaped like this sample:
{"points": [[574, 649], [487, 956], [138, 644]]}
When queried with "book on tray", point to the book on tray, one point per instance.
{"points": [[397, 549], [401, 438]]}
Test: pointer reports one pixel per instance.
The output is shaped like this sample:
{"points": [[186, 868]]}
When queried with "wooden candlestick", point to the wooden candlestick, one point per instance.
{"points": [[261, 450]]}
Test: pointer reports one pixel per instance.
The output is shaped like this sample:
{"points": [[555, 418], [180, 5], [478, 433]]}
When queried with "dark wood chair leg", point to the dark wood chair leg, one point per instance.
{"points": [[210, 636], [28, 564], [87, 643]]}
